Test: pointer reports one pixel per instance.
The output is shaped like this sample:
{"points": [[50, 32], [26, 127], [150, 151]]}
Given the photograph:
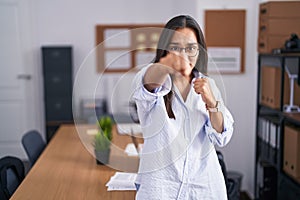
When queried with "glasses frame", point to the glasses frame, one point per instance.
{"points": [[183, 48]]}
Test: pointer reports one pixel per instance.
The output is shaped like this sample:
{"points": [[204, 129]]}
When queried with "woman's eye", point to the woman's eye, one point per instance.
{"points": [[192, 48], [174, 48]]}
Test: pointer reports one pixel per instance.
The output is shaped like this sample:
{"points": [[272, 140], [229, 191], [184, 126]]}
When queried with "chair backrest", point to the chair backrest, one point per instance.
{"points": [[11, 175], [223, 166], [34, 145]]}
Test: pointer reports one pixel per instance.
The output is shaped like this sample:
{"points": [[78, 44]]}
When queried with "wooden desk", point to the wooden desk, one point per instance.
{"points": [[66, 170]]}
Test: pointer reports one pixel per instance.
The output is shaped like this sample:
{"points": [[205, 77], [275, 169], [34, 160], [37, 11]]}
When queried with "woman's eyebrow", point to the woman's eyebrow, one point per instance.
{"points": [[189, 44], [174, 43], [192, 43]]}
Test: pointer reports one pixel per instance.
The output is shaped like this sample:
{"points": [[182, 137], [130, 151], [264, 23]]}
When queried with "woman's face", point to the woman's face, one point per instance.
{"points": [[185, 38]]}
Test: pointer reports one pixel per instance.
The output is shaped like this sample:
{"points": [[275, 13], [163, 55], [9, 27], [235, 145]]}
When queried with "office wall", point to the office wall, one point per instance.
{"points": [[241, 93], [73, 22]]}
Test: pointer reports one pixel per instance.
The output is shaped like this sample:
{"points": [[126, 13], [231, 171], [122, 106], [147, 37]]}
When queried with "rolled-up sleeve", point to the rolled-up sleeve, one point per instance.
{"points": [[145, 98], [220, 139]]}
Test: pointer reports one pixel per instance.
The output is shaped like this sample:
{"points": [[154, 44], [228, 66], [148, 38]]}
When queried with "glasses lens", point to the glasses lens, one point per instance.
{"points": [[174, 49], [190, 51]]}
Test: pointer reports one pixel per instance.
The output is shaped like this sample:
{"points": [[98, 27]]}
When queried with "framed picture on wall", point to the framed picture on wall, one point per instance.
{"points": [[121, 48]]}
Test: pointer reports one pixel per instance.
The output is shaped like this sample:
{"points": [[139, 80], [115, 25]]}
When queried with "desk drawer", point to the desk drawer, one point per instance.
{"points": [[58, 85], [59, 109]]}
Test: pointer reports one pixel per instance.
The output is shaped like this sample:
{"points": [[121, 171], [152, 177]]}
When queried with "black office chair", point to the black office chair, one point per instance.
{"points": [[232, 182], [11, 175], [34, 145]]}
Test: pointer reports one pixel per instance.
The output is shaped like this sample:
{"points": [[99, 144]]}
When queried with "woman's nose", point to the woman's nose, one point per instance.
{"points": [[184, 61]]}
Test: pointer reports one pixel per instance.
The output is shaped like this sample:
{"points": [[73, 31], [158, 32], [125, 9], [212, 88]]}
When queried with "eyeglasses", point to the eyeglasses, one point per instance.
{"points": [[191, 51]]}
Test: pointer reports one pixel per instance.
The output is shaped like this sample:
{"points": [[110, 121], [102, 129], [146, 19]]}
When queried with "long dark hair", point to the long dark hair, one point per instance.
{"points": [[181, 21]]}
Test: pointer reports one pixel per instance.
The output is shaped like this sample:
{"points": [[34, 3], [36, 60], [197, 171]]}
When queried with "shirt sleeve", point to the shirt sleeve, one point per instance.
{"points": [[144, 98], [220, 139]]}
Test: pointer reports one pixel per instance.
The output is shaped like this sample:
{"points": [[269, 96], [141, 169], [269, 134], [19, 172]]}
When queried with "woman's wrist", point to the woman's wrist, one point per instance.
{"points": [[212, 105]]}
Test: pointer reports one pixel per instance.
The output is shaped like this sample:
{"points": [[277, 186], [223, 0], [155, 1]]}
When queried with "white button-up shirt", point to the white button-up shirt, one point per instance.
{"points": [[178, 160]]}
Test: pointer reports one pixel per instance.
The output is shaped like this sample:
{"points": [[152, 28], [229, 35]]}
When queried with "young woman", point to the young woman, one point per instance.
{"points": [[183, 116]]}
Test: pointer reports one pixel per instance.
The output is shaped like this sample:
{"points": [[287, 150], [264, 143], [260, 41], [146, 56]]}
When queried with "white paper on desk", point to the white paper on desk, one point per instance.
{"points": [[129, 128], [132, 151], [92, 131], [122, 181]]}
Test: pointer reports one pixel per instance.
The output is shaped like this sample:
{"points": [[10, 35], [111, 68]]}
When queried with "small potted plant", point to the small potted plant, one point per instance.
{"points": [[103, 139]]}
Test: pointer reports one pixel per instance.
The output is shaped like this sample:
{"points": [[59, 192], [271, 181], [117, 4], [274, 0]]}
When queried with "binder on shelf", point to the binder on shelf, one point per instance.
{"points": [[291, 152], [269, 143], [273, 136], [270, 88]]}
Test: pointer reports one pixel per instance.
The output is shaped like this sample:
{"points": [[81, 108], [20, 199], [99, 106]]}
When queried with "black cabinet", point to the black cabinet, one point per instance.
{"points": [[271, 179], [57, 72], [287, 189], [267, 180]]}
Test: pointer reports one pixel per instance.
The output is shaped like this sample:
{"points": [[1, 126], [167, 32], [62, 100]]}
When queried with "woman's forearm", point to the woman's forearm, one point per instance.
{"points": [[216, 119], [155, 76]]}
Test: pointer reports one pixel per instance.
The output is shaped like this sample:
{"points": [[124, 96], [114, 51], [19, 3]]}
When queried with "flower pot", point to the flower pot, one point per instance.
{"points": [[102, 156]]}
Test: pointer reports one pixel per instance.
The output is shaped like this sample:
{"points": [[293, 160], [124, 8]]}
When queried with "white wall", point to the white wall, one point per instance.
{"points": [[241, 94], [73, 22]]}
